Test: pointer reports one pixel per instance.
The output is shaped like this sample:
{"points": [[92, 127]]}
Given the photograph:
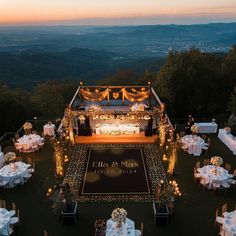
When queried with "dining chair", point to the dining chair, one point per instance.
{"points": [[224, 208], [2, 204], [29, 160], [142, 229], [206, 162], [198, 165], [196, 175], [15, 220], [227, 167], [12, 212], [218, 219]]}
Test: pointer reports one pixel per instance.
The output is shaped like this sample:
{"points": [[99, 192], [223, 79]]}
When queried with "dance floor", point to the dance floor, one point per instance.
{"points": [[112, 172], [115, 171]]}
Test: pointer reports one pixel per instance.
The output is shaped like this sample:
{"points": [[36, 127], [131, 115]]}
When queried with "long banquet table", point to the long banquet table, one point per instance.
{"points": [[207, 127], [128, 228], [49, 129], [114, 129], [228, 139]]}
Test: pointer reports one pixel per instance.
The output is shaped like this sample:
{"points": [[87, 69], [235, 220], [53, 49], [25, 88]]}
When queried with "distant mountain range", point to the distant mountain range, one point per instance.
{"points": [[29, 55], [128, 40]]}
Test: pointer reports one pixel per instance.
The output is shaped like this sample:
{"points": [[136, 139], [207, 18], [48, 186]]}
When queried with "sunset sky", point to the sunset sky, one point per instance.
{"points": [[110, 12]]}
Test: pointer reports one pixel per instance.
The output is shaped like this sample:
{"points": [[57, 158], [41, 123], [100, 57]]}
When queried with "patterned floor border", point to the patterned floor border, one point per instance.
{"points": [[76, 169]]}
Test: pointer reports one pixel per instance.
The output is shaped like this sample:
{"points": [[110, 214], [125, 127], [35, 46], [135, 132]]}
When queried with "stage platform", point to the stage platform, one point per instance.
{"points": [[111, 139]]}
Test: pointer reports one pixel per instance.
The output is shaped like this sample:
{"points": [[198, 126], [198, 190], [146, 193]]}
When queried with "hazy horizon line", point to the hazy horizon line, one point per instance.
{"points": [[60, 24]]}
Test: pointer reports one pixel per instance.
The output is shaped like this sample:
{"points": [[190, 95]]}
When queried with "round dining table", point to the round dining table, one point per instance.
{"points": [[13, 171], [213, 175], [229, 223], [29, 143], [127, 228], [4, 221], [193, 144]]}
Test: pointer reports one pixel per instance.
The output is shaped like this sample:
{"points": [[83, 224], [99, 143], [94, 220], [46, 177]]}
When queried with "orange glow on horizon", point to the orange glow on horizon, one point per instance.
{"points": [[36, 11]]}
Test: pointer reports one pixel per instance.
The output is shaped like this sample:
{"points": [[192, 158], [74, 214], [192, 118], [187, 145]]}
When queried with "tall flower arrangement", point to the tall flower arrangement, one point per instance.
{"points": [[10, 156], [27, 127], [216, 160], [119, 215], [195, 129]]}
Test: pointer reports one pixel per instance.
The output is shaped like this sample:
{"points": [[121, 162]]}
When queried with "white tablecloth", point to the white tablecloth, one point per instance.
{"points": [[212, 174], [49, 130], [127, 229], [228, 140], [14, 171], [113, 129], [29, 143], [229, 224], [207, 127], [4, 221], [193, 144], [2, 160]]}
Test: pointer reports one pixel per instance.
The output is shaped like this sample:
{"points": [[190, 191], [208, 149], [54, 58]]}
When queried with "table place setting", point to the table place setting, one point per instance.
{"points": [[11, 172], [213, 176], [119, 224], [193, 144], [229, 223], [29, 143]]}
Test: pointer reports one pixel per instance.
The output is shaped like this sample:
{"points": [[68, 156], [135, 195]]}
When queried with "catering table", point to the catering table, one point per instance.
{"points": [[229, 224], [114, 129], [127, 229], [29, 143], [4, 221], [193, 144], [207, 127], [2, 160], [49, 129], [228, 139], [213, 175], [14, 171]]}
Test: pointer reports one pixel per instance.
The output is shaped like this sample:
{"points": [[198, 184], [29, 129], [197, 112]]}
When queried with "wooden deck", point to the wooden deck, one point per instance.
{"points": [[101, 139]]}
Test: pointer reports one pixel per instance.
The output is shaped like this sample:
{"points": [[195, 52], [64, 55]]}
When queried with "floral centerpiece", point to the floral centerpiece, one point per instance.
{"points": [[119, 215], [10, 156], [138, 107], [95, 108], [195, 129], [27, 127], [216, 160]]}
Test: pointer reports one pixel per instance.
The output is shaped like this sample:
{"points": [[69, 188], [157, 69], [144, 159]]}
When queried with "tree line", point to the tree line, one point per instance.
{"points": [[189, 82]]}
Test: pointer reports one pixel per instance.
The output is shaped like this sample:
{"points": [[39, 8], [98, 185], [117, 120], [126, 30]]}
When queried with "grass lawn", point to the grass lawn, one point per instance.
{"points": [[194, 211]]}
